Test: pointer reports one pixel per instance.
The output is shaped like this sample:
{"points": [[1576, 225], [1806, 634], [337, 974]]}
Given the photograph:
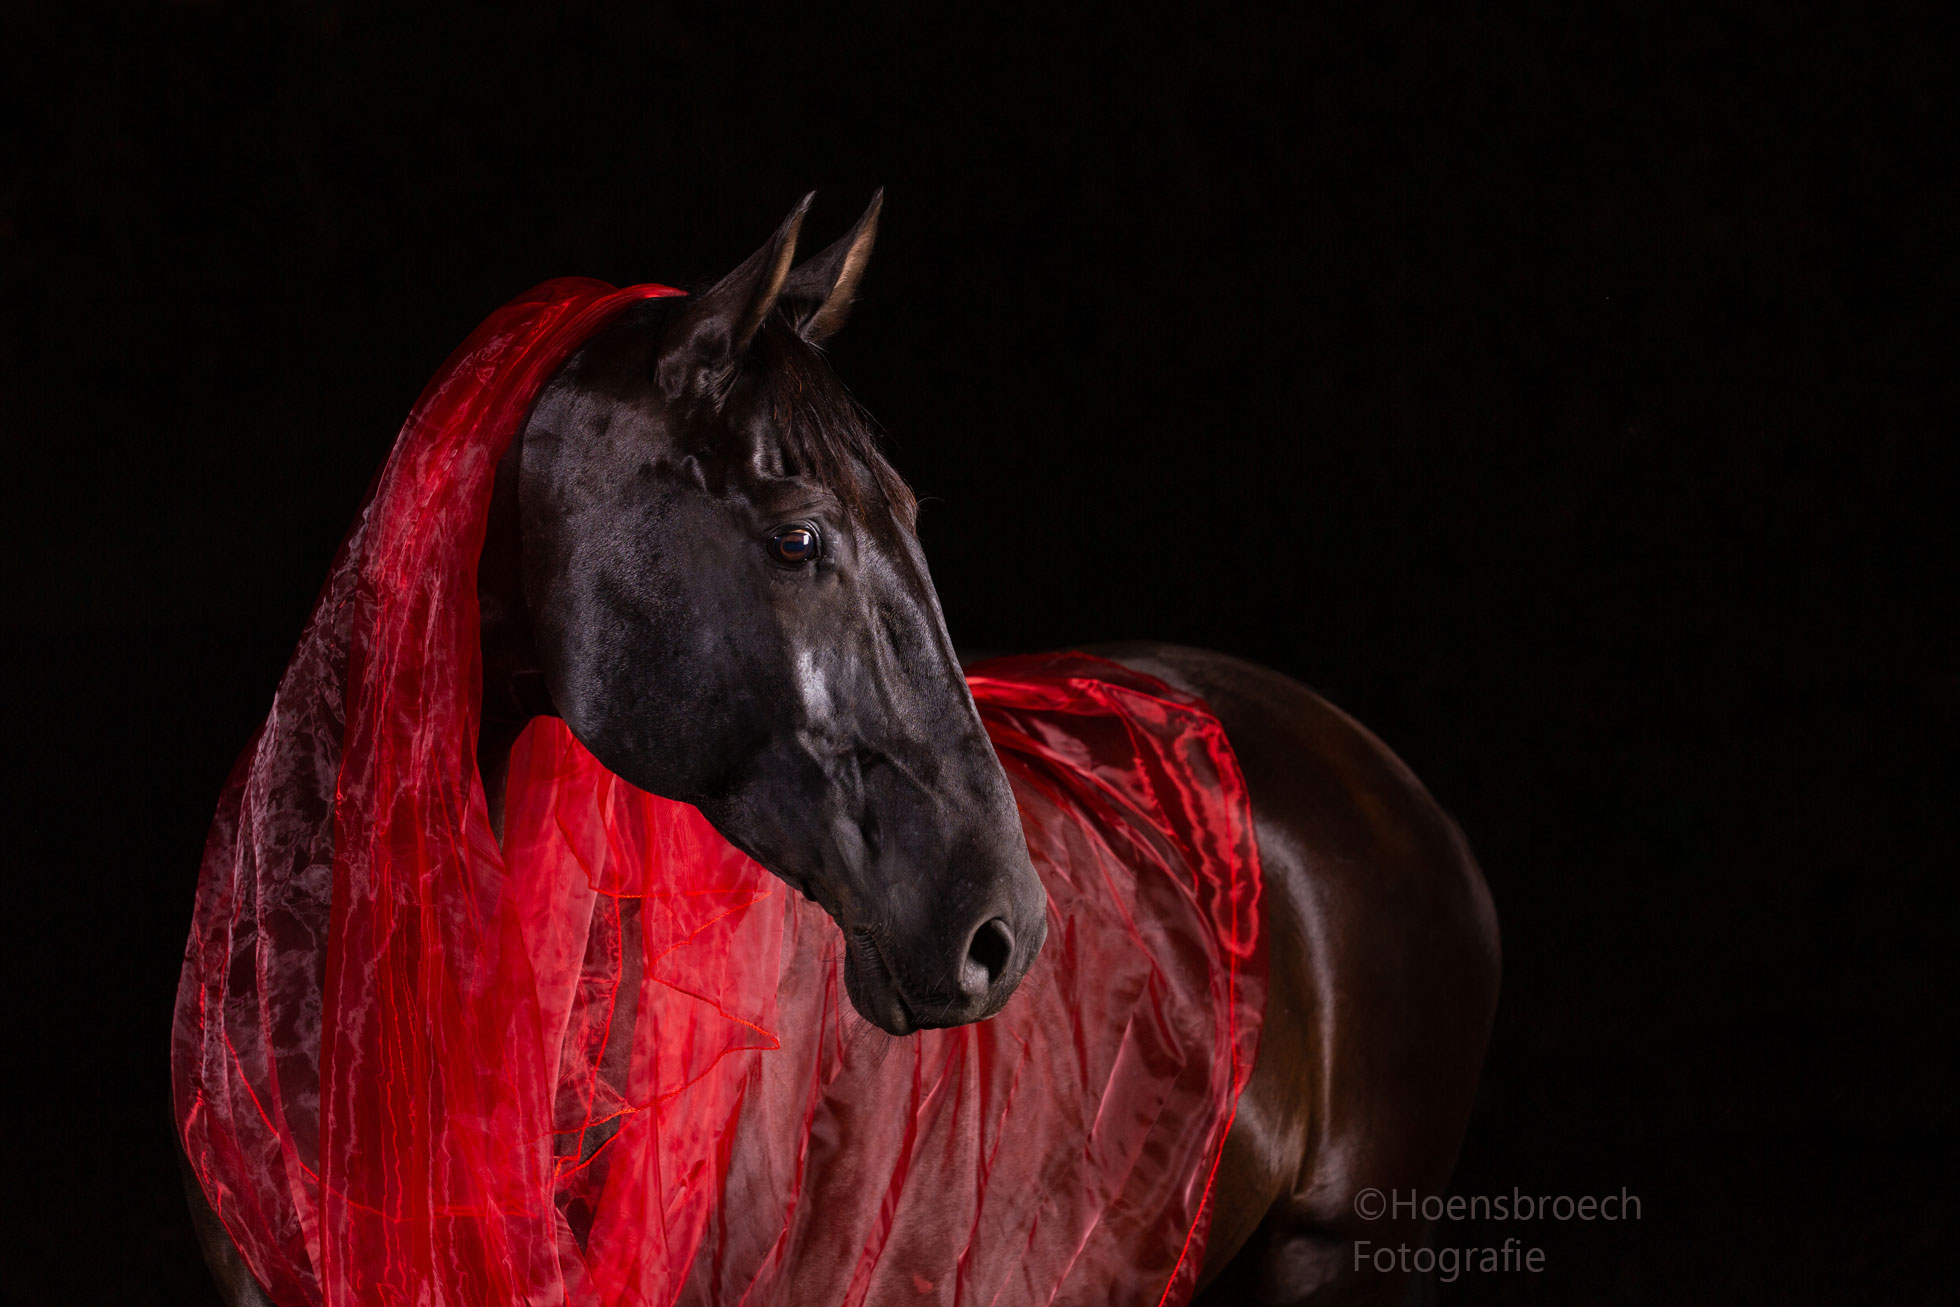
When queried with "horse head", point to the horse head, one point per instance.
{"points": [[699, 559]]}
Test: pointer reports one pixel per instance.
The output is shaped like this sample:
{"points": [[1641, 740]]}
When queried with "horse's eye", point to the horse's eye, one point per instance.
{"points": [[794, 545]]}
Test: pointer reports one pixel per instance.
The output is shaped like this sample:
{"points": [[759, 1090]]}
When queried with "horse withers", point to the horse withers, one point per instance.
{"points": [[699, 560]]}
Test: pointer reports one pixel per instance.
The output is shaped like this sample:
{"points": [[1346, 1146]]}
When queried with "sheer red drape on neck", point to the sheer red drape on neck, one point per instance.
{"points": [[611, 1062]]}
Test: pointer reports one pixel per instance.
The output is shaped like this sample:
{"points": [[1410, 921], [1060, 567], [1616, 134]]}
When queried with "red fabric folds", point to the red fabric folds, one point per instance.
{"points": [[612, 1061]]}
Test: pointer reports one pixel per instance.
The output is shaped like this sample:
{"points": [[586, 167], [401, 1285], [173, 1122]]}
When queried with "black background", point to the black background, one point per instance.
{"points": [[1559, 394]]}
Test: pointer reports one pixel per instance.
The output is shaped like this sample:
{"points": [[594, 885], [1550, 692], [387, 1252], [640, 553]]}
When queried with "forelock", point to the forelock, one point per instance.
{"points": [[827, 435]]}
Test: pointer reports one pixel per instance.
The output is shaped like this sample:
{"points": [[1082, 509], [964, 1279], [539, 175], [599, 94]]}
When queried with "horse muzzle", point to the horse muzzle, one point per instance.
{"points": [[975, 978]]}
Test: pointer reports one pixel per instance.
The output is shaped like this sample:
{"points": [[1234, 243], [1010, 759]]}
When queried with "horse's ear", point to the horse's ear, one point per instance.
{"points": [[709, 341], [818, 294]]}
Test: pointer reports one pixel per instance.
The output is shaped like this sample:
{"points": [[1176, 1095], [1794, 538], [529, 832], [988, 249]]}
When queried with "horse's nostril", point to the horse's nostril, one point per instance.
{"points": [[987, 955]]}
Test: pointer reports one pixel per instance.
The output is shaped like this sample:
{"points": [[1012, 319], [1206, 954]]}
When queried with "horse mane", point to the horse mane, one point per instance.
{"points": [[827, 435]]}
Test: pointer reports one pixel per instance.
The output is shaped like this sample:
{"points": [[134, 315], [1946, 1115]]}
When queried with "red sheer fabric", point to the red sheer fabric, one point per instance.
{"points": [[612, 1062]]}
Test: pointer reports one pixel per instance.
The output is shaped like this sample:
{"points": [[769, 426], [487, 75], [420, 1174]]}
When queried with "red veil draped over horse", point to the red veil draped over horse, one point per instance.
{"points": [[610, 1062]]}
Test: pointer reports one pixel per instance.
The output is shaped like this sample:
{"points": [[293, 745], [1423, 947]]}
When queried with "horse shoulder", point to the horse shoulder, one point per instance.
{"points": [[1383, 965]]}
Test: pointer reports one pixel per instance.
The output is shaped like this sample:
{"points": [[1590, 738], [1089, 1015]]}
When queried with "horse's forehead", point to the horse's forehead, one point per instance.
{"points": [[739, 446]]}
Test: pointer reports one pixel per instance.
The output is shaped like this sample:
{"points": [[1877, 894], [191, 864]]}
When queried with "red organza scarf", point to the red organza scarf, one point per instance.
{"points": [[612, 1062]]}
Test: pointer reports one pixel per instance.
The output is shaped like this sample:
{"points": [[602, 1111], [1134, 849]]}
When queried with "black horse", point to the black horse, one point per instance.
{"points": [[699, 560]]}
